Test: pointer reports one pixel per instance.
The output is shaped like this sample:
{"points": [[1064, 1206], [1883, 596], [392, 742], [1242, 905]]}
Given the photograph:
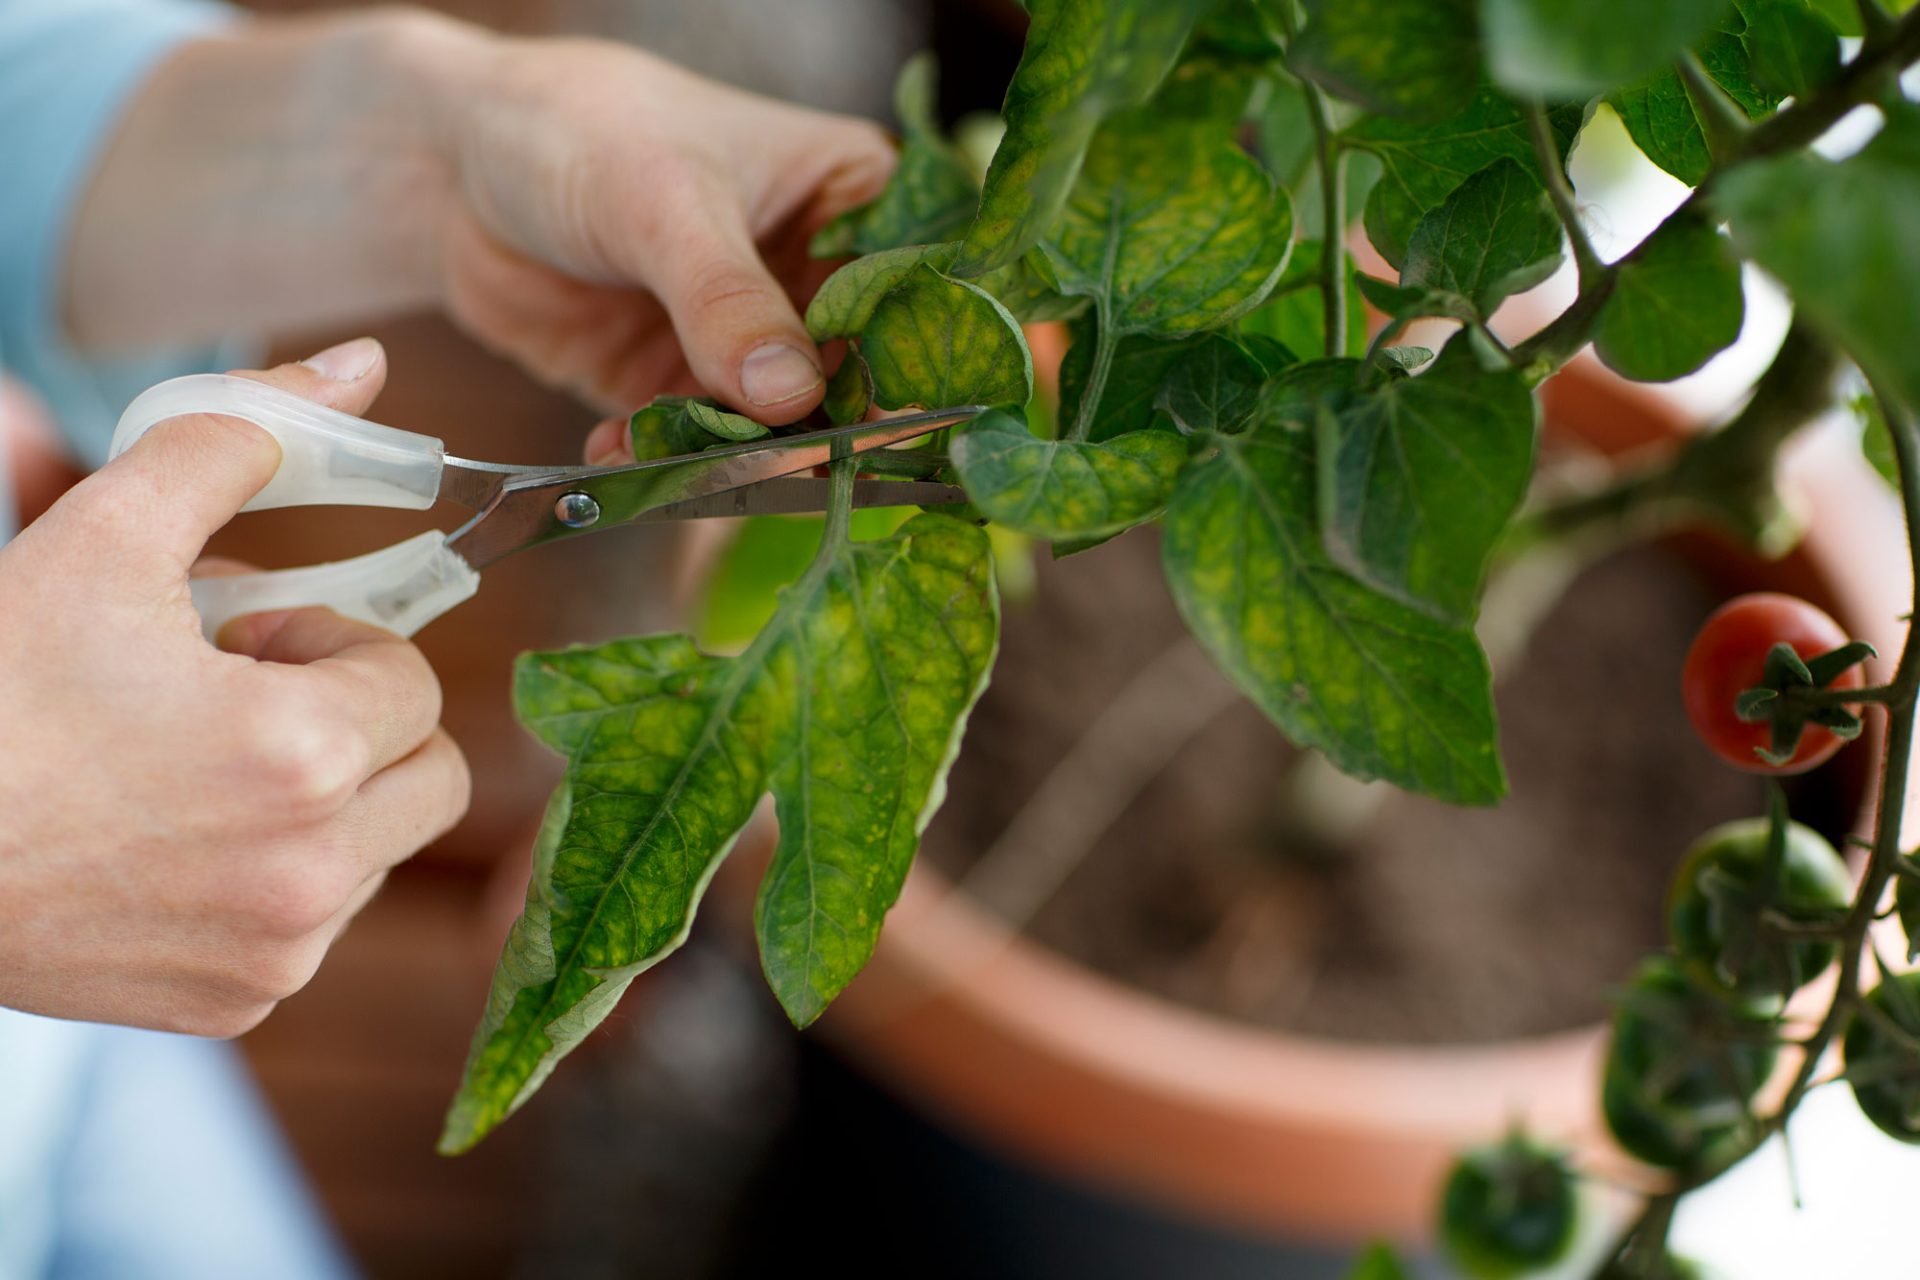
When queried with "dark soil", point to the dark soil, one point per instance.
{"points": [[1435, 923]]}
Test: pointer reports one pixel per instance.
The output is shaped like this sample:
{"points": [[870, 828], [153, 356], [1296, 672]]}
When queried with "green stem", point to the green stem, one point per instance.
{"points": [[1815, 699], [1554, 173], [1881, 58], [1332, 162], [1103, 346], [1726, 475], [1725, 125]]}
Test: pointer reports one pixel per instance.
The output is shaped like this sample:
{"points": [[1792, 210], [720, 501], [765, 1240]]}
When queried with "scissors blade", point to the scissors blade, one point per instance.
{"points": [[529, 511], [805, 495]]}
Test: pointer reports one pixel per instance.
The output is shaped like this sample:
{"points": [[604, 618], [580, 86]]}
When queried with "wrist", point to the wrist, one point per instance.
{"points": [[296, 174]]}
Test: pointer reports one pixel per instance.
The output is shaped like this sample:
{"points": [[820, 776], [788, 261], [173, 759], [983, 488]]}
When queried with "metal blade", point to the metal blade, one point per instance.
{"points": [[796, 495], [559, 504]]}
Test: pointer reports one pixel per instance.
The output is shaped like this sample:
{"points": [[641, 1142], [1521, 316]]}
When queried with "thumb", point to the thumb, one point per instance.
{"points": [[188, 476], [742, 337]]}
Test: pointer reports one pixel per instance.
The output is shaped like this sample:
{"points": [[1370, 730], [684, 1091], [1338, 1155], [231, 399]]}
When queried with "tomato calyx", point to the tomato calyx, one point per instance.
{"points": [[1756, 909], [1773, 700]]}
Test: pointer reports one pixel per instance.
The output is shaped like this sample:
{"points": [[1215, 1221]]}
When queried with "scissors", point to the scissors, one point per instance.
{"points": [[330, 458]]}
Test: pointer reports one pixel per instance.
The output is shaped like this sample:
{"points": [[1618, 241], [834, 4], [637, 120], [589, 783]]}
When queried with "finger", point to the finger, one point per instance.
{"points": [[609, 444], [403, 809], [188, 476], [742, 337], [375, 685]]}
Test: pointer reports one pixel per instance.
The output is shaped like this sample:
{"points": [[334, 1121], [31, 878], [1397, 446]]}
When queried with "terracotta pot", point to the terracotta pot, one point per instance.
{"points": [[1317, 1140]]}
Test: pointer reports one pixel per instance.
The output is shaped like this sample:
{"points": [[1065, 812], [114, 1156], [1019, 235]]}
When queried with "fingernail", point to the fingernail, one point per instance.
{"points": [[777, 372], [348, 362]]}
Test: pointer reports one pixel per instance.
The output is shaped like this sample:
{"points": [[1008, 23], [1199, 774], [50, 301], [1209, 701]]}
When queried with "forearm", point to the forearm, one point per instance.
{"points": [[290, 174]]}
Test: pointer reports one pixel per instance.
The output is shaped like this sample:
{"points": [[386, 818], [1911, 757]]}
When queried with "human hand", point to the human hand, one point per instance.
{"points": [[620, 223], [186, 830]]}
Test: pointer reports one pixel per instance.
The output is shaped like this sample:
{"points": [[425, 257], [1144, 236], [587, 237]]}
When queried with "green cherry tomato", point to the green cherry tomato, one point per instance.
{"points": [[1719, 898], [1508, 1210], [1681, 1068], [1729, 656], [1882, 1068]]}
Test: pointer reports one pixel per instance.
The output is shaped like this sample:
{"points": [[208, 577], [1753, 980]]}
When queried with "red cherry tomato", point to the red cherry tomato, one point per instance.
{"points": [[1729, 656]]}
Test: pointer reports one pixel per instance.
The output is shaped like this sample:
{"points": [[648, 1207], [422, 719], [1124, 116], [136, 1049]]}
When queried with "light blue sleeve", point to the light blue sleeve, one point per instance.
{"points": [[67, 70]]}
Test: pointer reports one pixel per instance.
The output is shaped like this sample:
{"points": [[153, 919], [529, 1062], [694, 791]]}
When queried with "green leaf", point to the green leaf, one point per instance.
{"points": [[1398, 361], [1495, 236], [1378, 1263], [932, 195], [1759, 52], [1661, 120], [1571, 49], [1876, 438], [1418, 476], [1065, 489], [1675, 304], [1384, 690], [673, 425], [1215, 386], [1292, 314], [1130, 402], [1084, 60], [1417, 58], [1792, 50], [1844, 238], [935, 341], [1422, 163], [846, 302], [1241, 29], [1171, 230], [849, 391], [668, 752]]}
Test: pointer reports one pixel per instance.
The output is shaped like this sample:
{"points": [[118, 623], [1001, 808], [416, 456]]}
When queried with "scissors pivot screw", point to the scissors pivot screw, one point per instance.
{"points": [[576, 510]]}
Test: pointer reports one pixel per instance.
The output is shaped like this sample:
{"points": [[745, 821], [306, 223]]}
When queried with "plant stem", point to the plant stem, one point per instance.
{"points": [[1727, 474], [1883, 55], [1554, 173], [1725, 125], [1103, 344], [1332, 162]]}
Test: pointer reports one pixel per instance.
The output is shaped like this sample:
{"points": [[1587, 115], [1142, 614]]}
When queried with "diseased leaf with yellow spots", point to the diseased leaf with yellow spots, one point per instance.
{"points": [[933, 192], [846, 302], [1383, 689], [848, 706], [1170, 230], [936, 341], [1084, 60], [1065, 489]]}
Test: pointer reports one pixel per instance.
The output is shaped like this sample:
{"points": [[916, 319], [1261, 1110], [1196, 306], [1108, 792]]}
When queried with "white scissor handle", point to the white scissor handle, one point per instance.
{"points": [[328, 458]]}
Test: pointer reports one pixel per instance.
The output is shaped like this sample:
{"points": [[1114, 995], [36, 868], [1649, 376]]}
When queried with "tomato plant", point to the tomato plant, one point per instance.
{"points": [[1734, 653], [1178, 184]]}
